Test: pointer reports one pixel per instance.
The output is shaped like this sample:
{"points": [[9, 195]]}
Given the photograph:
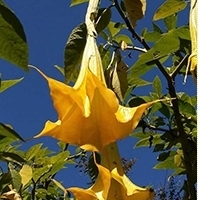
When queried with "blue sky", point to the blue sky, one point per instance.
{"points": [[27, 105]]}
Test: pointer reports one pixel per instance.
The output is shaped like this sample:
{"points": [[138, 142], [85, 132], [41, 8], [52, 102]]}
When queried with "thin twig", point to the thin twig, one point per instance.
{"points": [[179, 67]]}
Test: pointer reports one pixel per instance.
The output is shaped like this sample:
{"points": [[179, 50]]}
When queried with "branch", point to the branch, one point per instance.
{"points": [[179, 67], [141, 40]]}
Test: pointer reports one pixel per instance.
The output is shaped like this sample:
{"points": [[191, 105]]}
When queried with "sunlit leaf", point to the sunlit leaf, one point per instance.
{"points": [[33, 151], [7, 131], [60, 186], [113, 29], [169, 7], [137, 81], [12, 39], [77, 2], [171, 21], [26, 174], [119, 38], [168, 43], [8, 83], [74, 51], [135, 9]]}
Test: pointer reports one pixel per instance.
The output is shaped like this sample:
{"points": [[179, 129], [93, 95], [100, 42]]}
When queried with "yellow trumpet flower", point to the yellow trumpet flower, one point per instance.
{"points": [[89, 114], [192, 60], [112, 183]]}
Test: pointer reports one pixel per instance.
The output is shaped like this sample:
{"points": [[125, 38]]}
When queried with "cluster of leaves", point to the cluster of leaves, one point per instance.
{"points": [[169, 128]]}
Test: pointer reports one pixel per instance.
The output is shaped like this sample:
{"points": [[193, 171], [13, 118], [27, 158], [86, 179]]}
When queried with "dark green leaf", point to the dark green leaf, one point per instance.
{"points": [[167, 163], [163, 156], [157, 85], [74, 51], [156, 28], [136, 101], [8, 83], [11, 157], [7, 131], [169, 7], [171, 21], [103, 19], [16, 178], [12, 39], [76, 2]]}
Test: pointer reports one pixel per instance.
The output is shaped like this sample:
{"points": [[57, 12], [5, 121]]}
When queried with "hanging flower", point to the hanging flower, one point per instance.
{"points": [[192, 60], [89, 114], [112, 183]]}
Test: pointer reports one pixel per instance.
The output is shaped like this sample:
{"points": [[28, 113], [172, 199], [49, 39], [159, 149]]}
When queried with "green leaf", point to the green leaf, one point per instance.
{"points": [[119, 38], [169, 7], [168, 163], [163, 156], [26, 174], [8, 83], [171, 21], [16, 178], [76, 2], [7, 131], [12, 39], [33, 151], [145, 142], [105, 56], [103, 19], [113, 30], [61, 157], [74, 51], [157, 85], [11, 157], [136, 101], [167, 44], [137, 81], [156, 28], [152, 36], [60, 186]]}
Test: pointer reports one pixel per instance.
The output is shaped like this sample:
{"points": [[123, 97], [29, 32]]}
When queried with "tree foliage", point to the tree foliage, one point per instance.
{"points": [[168, 128]]}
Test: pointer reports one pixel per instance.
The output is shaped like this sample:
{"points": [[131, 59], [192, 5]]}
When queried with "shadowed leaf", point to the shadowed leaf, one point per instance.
{"points": [[13, 44], [74, 51]]}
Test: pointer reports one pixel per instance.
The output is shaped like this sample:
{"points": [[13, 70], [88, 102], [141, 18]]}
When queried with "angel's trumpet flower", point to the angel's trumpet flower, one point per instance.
{"points": [[192, 60], [112, 183], [89, 114]]}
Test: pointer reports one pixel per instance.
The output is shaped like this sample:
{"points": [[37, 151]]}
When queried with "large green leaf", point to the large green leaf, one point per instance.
{"points": [[8, 83], [168, 8], [16, 178], [13, 44], [167, 44], [171, 21], [74, 51], [7, 131], [132, 80], [76, 2], [103, 19]]}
